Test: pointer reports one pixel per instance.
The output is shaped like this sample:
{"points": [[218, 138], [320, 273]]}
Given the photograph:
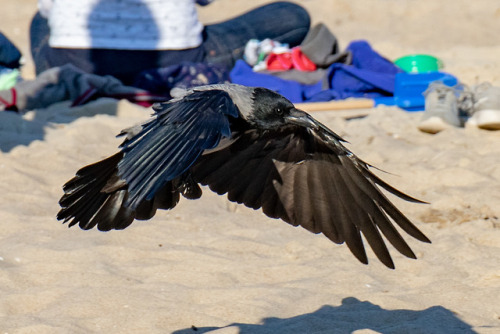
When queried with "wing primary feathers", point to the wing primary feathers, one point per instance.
{"points": [[173, 141], [346, 222], [391, 233], [387, 186], [391, 210], [359, 204], [375, 203], [324, 216]]}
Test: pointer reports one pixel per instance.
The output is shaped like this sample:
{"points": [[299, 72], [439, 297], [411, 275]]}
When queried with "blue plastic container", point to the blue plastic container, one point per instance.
{"points": [[409, 88]]}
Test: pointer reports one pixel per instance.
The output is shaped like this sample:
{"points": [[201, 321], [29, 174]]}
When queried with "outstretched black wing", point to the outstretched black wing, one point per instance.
{"points": [[149, 171], [305, 178], [169, 144]]}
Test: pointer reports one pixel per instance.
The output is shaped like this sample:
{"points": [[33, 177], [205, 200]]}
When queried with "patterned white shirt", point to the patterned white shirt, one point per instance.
{"points": [[123, 24]]}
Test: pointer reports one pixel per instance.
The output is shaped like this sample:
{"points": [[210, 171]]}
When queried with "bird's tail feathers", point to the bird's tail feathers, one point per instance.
{"points": [[97, 196], [86, 203]]}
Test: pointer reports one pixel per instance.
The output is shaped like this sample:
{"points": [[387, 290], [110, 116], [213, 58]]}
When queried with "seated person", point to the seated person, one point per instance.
{"points": [[124, 37]]}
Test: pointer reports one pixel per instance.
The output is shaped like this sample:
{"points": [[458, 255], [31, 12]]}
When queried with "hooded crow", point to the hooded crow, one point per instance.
{"points": [[254, 145]]}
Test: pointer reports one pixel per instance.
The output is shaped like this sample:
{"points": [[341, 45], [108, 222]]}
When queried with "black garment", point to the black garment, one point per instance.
{"points": [[9, 53]]}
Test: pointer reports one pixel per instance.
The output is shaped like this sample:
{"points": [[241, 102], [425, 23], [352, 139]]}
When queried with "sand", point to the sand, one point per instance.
{"points": [[213, 267]]}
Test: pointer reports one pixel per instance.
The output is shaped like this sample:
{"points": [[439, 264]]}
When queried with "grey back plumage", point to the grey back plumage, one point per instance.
{"points": [[240, 95]]}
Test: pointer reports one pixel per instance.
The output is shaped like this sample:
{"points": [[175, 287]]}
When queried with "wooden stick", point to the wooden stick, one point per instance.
{"points": [[336, 105]]}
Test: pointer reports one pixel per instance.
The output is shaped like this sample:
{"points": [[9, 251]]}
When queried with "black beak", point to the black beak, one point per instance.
{"points": [[301, 118]]}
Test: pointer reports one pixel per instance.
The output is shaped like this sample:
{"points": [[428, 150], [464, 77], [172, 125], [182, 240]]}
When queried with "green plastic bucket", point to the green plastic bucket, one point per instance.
{"points": [[419, 63]]}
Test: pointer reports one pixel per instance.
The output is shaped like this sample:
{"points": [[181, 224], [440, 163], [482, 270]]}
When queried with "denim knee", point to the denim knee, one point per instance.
{"points": [[294, 13]]}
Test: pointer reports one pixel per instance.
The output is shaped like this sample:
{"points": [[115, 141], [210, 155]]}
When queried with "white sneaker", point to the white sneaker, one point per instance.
{"points": [[486, 111], [441, 108]]}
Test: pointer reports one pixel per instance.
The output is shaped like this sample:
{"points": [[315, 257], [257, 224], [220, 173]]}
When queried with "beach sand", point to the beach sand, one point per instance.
{"points": [[210, 266]]}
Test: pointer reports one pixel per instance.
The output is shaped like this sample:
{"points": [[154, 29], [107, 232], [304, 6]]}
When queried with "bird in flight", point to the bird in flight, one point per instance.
{"points": [[253, 145]]}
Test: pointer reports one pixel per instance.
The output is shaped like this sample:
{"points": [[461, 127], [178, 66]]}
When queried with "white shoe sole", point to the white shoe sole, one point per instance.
{"points": [[433, 125], [488, 119]]}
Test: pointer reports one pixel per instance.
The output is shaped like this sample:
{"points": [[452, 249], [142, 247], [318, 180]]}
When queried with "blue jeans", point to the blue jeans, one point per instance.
{"points": [[223, 43]]}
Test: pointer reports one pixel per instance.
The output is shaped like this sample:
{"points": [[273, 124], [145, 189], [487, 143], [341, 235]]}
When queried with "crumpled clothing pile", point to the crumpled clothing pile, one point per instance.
{"points": [[359, 71], [69, 83]]}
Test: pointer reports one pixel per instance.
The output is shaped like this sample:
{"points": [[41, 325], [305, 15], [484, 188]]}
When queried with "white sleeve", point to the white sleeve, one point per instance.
{"points": [[44, 7]]}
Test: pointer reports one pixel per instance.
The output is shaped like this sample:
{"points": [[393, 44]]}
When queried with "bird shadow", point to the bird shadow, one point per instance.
{"points": [[17, 130], [350, 316]]}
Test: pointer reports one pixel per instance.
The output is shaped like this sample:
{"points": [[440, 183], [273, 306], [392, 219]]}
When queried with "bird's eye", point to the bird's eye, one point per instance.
{"points": [[279, 111]]}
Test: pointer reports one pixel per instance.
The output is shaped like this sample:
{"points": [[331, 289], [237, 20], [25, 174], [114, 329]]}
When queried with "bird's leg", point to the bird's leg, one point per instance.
{"points": [[187, 186]]}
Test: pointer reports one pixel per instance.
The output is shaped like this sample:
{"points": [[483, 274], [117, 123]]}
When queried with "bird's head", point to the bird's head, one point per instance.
{"points": [[270, 110]]}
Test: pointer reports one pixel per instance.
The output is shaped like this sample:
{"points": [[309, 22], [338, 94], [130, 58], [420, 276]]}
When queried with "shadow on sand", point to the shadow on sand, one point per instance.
{"points": [[16, 130], [350, 316]]}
